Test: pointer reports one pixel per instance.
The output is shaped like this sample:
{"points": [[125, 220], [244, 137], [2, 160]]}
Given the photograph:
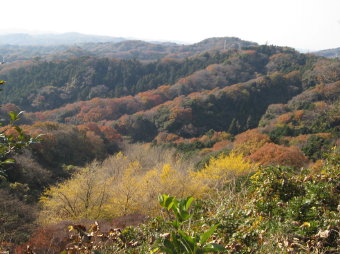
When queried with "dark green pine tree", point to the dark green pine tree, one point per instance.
{"points": [[234, 127], [249, 123]]}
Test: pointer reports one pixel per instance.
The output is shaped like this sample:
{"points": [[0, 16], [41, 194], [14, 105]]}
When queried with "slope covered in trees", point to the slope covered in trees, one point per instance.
{"points": [[231, 95], [121, 49], [49, 85], [331, 53], [251, 134], [234, 108]]}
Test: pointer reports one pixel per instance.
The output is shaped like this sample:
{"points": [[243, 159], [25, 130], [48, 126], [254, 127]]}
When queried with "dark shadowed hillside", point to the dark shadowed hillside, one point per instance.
{"points": [[47, 85]]}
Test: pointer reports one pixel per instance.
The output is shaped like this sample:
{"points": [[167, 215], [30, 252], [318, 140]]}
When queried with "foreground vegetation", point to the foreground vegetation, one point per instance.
{"points": [[271, 209]]}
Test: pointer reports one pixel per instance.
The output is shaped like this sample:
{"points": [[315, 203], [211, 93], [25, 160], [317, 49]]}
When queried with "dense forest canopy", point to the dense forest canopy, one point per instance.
{"points": [[251, 132]]}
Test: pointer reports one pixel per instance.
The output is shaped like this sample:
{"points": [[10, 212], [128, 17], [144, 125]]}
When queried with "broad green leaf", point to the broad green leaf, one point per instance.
{"points": [[213, 247], [9, 161], [165, 201], [177, 245], [186, 246], [188, 203], [13, 116], [161, 198], [205, 236], [187, 237], [169, 202]]}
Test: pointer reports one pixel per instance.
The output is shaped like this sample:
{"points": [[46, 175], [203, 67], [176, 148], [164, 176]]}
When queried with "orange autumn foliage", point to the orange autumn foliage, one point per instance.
{"points": [[298, 141], [298, 114], [220, 145], [249, 141], [164, 137], [284, 118], [272, 154]]}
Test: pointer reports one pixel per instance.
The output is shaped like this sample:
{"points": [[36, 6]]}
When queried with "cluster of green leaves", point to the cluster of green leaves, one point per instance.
{"points": [[289, 209], [10, 144], [180, 240]]}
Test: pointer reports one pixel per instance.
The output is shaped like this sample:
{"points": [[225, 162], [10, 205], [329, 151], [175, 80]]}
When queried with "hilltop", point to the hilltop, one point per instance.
{"points": [[331, 53], [69, 46]]}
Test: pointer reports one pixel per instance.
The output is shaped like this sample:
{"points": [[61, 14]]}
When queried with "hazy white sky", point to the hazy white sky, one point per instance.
{"points": [[304, 24]]}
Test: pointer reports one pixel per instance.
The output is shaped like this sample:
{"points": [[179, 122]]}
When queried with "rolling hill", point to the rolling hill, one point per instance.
{"points": [[251, 131], [114, 48]]}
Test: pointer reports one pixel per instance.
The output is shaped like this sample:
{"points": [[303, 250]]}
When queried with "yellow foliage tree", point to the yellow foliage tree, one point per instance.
{"points": [[223, 168], [130, 184], [82, 196], [137, 191], [120, 185]]}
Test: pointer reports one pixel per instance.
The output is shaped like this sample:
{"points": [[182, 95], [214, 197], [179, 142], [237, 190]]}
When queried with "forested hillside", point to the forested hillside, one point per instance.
{"points": [[242, 140], [229, 92], [331, 53], [113, 48], [49, 85]]}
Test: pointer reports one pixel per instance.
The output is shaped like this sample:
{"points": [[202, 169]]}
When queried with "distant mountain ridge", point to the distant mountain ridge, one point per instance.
{"points": [[330, 53], [121, 49], [24, 39], [61, 46]]}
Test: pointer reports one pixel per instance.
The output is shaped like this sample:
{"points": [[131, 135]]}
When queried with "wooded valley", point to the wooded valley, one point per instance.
{"points": [[134, 147]]}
